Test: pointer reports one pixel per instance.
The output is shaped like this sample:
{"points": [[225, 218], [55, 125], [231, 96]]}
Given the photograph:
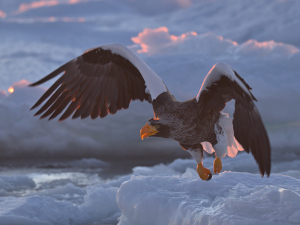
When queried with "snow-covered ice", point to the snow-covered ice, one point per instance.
{"points": [[63, 180], [162, 194], [231, 198]]}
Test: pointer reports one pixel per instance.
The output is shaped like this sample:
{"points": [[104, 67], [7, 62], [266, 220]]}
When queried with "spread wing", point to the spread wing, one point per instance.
{"points": [[223, 84], [103, 80]]}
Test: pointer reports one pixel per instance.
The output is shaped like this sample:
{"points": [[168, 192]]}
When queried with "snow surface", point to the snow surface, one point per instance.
{"points": [[231, 198], [162, 194], [180, 40]]}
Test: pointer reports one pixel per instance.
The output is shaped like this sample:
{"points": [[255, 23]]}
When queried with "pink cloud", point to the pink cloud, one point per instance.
{"points": [[38, 4], [160, 41], [20, 84], [151, 40], [184, 3], [19, 93], [2, 14], [2, 94], [15, 86], [45, 3], [253, 47]]}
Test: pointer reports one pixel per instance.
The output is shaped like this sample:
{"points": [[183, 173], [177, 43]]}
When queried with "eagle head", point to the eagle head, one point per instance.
{"points": [[154, 127]]}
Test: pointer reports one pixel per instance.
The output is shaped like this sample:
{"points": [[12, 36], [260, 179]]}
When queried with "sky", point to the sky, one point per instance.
{"points": [[180, 40]]}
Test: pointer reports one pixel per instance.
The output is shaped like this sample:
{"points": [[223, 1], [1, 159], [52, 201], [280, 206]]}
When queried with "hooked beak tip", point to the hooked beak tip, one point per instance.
{"points": [[148, 131]]}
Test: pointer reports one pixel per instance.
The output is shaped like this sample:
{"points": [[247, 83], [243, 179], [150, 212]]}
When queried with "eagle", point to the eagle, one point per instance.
{"points": [[105, 79]]}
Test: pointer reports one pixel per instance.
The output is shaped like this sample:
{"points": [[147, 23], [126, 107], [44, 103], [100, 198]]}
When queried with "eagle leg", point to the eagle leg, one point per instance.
{"points": [[197, 153], [203, 172], [217, 165]]}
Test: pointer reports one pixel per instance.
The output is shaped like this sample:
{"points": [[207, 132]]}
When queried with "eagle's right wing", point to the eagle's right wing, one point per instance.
{"points": [[103, 80]]}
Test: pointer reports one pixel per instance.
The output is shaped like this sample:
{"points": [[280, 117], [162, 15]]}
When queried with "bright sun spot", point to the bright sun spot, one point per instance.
{"points": [[11, 90]]}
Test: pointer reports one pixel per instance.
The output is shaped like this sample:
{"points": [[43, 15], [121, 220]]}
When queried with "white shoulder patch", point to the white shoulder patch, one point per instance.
{"points": [[214, 75], [154, 84], [227, 144]]}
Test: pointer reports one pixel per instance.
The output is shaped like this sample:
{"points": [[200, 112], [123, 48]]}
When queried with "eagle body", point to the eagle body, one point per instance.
{"points": [[106, 79], [188, 122]]}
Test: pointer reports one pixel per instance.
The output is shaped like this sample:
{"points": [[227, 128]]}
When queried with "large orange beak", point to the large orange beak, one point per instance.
{"points": [[148, 131]]}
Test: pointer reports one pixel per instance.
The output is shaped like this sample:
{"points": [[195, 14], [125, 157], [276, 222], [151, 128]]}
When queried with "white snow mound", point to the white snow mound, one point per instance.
{"points": [[229, 198]]}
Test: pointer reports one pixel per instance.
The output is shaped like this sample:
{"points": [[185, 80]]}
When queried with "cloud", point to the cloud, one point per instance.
{"points": [[2, 14], [37, 4], [50, 19], [184, 3], [21, 94], [23, 7], [154, 40], [115, 137], [266, 48], [190, 54], [160, 41]]}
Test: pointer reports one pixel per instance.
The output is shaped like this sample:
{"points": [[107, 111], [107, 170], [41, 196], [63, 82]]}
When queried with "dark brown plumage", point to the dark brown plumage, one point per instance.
{"points": [[96, 83], [105, 80]]}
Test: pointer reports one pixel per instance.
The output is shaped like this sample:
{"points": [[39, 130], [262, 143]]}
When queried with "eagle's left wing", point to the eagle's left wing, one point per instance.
{"points": [[223, 84]]}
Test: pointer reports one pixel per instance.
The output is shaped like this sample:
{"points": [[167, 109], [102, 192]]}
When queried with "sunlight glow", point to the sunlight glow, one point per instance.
{"points": [[184, 3], [159, 40], [74, 1], [2, 93], [269, 46], [18, 84], [2, 14], [158, 37], [52, 19], [45, 3], [38, 4], [11, 90]]}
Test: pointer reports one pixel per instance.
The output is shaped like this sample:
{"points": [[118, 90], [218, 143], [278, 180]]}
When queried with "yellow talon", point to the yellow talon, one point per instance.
{"points": [[217, 165], [204, 173]]}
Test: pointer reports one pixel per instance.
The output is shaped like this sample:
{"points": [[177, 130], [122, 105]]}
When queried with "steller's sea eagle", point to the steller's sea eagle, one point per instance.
{"points": [[105, 79]]}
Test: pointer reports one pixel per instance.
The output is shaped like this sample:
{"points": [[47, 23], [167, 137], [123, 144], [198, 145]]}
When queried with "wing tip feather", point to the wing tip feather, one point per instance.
{"points": [[137, 80]]}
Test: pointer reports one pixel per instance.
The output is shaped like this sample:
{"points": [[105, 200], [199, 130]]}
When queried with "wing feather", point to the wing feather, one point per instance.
{"points": [[96, 110], [104, 110], [89, 103], [101, 81], [58, 101], [47, 93], [60, 108], [51, 100], [72, 107], [223, 84]]}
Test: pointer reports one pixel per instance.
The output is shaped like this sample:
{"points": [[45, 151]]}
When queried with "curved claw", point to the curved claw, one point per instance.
{"points": [[203, 172], [209, 176], [217, 165]]}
